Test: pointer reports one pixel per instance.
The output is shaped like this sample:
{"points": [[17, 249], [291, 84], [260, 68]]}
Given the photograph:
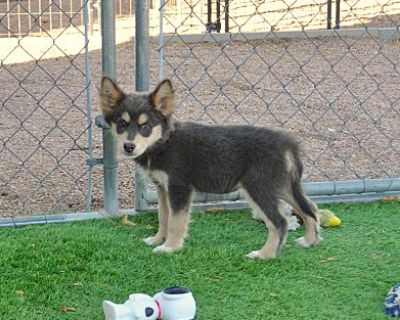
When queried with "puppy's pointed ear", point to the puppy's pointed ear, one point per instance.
{"points": [[110, 94], [163, 98]]}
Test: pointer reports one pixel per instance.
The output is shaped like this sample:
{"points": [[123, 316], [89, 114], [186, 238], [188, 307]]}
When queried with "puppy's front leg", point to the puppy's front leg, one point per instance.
{"points": [[178, 220], [163, 213]]}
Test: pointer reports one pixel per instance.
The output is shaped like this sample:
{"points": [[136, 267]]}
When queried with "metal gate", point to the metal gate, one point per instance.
{"points": [[45, 111]]}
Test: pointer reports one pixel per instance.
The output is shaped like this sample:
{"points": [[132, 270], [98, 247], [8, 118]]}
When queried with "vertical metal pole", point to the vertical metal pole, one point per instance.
{"points": [[30, 17], [227, 16], [337, 17], [218, 9], [19, 20], [110, 161], [71, 13], [8, 18], [142, 45], [40, 17], [209, 15], [329, 15], [60, 14], [88, 104], [161, 42], [142, 77], [51, 16]]}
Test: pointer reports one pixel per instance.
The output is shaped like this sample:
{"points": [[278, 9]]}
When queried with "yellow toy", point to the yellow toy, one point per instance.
{"points": [[328, 218]]}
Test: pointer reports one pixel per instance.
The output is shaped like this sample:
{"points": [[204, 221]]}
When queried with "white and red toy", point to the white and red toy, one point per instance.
{"points": [[175, 303]]}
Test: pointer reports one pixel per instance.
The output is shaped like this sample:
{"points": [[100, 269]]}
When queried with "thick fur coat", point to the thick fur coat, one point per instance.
{"points": [[183, 157]]}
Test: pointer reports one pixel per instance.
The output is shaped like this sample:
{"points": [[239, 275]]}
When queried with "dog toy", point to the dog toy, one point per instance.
{"points": [[174, 303], [392, 302], [328, 218]]}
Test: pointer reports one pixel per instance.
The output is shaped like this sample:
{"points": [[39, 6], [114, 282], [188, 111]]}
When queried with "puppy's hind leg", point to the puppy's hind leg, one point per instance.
{"points": [[308, 212], [266, 207], [163, 213]]}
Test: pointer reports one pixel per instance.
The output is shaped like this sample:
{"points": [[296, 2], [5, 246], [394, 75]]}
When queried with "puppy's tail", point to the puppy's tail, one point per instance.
{"points": [[308, 207]]}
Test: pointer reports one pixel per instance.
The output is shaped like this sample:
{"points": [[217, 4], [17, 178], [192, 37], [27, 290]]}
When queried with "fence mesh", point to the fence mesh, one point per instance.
{"points": [[44, 113], [337, 90], [38, 17], [278, 66]]}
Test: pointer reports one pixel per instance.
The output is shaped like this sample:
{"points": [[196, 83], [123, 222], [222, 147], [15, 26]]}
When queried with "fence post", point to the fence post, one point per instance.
{"points": [[337, 15], [86, 15], [329, 15], [227, 16], [218, 9], [110, 161], [209, 16], [142, 77]]}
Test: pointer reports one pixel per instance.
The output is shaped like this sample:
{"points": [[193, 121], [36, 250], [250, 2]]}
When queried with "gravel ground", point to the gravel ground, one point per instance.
{"points": [[340, 97]]}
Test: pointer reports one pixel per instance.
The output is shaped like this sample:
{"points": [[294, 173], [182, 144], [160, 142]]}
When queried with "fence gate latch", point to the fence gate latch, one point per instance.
{"points": [[94, 162]]}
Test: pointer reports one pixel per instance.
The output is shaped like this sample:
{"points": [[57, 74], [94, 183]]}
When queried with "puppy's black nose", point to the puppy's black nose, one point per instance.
{"points": [[129, 147]]}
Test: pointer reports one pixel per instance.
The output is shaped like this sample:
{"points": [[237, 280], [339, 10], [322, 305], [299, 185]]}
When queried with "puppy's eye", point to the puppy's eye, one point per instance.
{"points": [[123, 124], [145, 130]]}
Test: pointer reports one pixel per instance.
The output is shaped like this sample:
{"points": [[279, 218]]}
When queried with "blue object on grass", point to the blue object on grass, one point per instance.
{"points": [[392, 302]]}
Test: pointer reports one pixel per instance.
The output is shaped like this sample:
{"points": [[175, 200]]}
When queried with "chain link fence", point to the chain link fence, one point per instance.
{"points": [[39, 17], [328, 71], [50, 155], [45, 112]]}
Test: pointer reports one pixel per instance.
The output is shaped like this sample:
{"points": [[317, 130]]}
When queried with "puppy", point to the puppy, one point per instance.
{"points": [[183, 157]]}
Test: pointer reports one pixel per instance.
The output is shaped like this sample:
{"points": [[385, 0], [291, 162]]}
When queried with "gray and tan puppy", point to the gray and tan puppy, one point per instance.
{"points": [[183, 157]]}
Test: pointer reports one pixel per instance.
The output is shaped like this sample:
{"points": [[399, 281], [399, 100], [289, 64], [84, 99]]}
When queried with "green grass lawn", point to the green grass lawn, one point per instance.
{"points": [[64, 271]]}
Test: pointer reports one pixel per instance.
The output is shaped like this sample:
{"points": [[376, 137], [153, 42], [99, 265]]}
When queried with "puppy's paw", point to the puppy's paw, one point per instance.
{"points": [[253, 255], [153, 241], [166, 249], [258, 255], [302, 242]]}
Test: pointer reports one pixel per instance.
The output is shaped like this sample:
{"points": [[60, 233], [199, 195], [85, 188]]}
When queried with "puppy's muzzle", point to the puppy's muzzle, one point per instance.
{"points": [[129, 147]]}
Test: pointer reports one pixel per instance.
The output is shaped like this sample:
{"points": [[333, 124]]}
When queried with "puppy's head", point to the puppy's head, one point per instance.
{"points": [[138, 120]]}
